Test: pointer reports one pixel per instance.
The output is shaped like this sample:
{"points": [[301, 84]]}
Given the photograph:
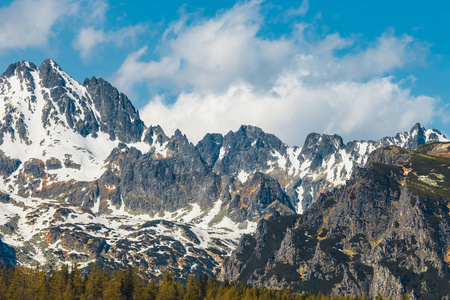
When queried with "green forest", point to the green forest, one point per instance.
{"points": [[18, 282]]}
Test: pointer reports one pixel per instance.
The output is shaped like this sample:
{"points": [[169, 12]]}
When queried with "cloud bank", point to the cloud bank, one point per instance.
{"points": [[89, 38], [29, 23], [224, 74], [33, 23]]}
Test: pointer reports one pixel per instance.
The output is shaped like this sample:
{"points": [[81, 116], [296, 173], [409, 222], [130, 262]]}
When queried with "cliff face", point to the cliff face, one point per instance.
{"points": [[386, 232]]}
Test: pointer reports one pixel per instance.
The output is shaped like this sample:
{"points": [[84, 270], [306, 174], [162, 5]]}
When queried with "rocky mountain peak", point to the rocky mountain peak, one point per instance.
{"points": [[249, 149], [418, 133], [178, 141], [59, 100], [155, 134], [324, 143], [416, 128], [52, 75], [19, 69], [417, 136], [250, 136], [118, 117], [50, 64], [317, 147], [249, 130], [209, 147]]}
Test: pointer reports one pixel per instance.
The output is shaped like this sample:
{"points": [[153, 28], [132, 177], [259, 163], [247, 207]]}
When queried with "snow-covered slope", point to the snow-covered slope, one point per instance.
{"points": [[47, 115], [64, 192], [322, 163], [46, 231]]}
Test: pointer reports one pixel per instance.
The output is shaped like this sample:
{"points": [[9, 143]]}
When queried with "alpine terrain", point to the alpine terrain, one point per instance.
{"points": [[84, 180], [385, 232]]}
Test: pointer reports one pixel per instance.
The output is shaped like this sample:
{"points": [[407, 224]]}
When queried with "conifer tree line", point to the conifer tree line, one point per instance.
{"points": [[23, 283]]}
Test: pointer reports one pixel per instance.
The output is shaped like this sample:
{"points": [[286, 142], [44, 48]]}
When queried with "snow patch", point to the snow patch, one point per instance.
{"points": [[280, 159], [222, 153], [299, 191], [243, 176]]}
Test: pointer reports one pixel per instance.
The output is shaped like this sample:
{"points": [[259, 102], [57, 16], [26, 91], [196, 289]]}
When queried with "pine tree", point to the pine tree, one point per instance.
{"points": [[112, 289], [202, 285], [168, 289], [3, 283], [75, 284], [152, 290], [95, 284], [192, 290], [58, 283], [39, 286], [126, 284]]}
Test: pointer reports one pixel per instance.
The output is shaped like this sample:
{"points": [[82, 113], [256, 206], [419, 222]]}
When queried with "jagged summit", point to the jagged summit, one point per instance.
{"points": [[46, 114], [19, 67]]}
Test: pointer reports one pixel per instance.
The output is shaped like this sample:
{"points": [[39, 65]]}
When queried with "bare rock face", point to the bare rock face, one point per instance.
{"points": [[262, 195], [247, 149], [62, 101], [386, 232], [7, 255], [118, 117], [53, 163], [171, 183], [209, 148], [317, 147], [155, 134], [8, 165]]}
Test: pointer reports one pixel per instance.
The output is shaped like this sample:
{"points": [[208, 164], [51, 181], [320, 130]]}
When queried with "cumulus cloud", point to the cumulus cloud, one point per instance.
{"points": [[29, 23], [89, 38], [210, 54], [225, 75], [292, 109]]}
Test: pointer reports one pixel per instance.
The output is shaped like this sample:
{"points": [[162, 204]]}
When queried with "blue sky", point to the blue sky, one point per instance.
{"points": [[361, 69]]}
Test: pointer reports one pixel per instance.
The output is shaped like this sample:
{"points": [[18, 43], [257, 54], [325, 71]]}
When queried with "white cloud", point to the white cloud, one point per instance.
{"points": [[29, 23], [89, 38], [292, 109], [388, 53], [93, 11], [32, 23], [210, 54], [301, 10], [228, 75]]}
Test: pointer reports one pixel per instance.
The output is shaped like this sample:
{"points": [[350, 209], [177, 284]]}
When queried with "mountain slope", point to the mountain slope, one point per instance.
{"points": [[386, 232], [78, 166]]}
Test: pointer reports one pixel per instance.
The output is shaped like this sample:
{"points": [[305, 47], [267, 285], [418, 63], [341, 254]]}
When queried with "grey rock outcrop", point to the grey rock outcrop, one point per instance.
{"points": [[8, 165], [118, 117], [261, 195], [386, 232], [247, 149]]}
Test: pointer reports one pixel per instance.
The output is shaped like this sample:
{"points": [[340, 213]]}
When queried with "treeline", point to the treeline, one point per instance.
{"points": [[70, 284]]}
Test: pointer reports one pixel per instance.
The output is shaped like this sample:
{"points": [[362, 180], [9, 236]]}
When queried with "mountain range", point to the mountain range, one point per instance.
{"points": [[84, 180]]}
